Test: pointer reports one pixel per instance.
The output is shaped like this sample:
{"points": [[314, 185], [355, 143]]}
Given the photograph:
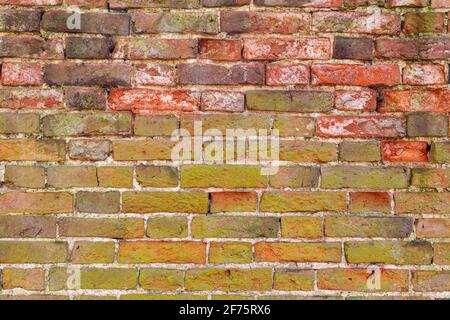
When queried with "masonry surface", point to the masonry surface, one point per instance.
{"points": [[358, 89]]}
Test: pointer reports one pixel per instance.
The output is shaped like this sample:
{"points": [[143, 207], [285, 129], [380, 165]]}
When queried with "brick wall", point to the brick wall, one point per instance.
{"points": [[93, 204]]}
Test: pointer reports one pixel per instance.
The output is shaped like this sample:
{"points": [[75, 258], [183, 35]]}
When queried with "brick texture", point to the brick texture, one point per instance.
{"points": [[92, 176]]}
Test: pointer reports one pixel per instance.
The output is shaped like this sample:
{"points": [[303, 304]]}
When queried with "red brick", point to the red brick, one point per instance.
{"points": [[18, 98], [362, 127], [285, 74], [415, 101], [220, 49], [356, 75], [356, 100], [21, 74], [155, 74], [152, 48], [310, 3], [369, 202], [424, 74], [404, 151]]}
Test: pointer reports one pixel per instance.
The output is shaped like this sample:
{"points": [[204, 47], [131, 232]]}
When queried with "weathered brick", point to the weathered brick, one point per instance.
{"points": [[423, 22], [238, 74], [423, 74], [225, 3], [440, 4], [223, 176], [123, 228], [356, 100], [90, 150], [369, 202], [295, 177], [294, 280], [297, 252], [155, 74], [88, 48], [150, 149], [368, 227], [36, 202], [353, 48], [235, 227], [88, 74], [264, 22], [423, 48], [155, 125], [20, 21], [364, 177], [148, 202], [98, 202], [21, 74], [24, 177], [433, 228], [289, 126], [19, 98], [27, 227], [360, 151], [302, 227], [11, 123], [289, 101], [71, 176], [19, 252], [406, 3], [115, 177], [167, 227], [90, 22], [220, 49], [290, 3], [175, 22], [157, 176], [161, 279], [20, 46], [229, 279], [29, 279], [441, 253], [302, 201], [432, 281], [233, 202], [143, 49], [149, 100], [285, 74], [111, 278], [440, 152], [162, 251], [159, 296], [32, 150], [228, 101], [360, 279], [230, 252], [360, 127], [85, 98], [415, 101], [404, 151], [277, 48], [85, 252], [389, 252], [88, 3], [427, 125], [422, 202], [356, 74]]}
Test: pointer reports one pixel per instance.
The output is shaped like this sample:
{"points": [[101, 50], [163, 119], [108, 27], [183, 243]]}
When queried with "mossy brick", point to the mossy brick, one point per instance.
{"points": [[36, 202], [12, 226], [21, 252], [433, 228], [153, 48], [11, 123], [161, 279], [86, 297], [389, 252], [298, 252], [160, 296], [71, 176], [175, 4], [440, 152], [431, 281], [235, 227], [98, 202], [35, 297], [422, 202], [155, 125], [370, 202], [360, 151], [123, 228], [441, 253], [28, 279], [293, 201], [294, 126], [229, 279], [175, 22], [162, 252], [58, 279], [32, 150], [160, 201], [89, 150], [225, 3], [24, 177], [289, 101], [307, 151], [368, 227], [360, 279], [295, 177], [88, 48], [157, 176], [294, 280], [230, 252], [83, 124], [20, 20], [427, 125], [86, 252], [424, 22], [231, 297], [302, 227], [167, 227], [115, 177], [150, 149], [222, 176], [431, 178], [85, 98], [111, 278], [233, 202], [364, 177]]}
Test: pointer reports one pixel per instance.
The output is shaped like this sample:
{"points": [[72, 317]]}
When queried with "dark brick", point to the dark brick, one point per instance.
{"points": [[353, 48], [89, 48], [20, 20], [85, 98]]}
